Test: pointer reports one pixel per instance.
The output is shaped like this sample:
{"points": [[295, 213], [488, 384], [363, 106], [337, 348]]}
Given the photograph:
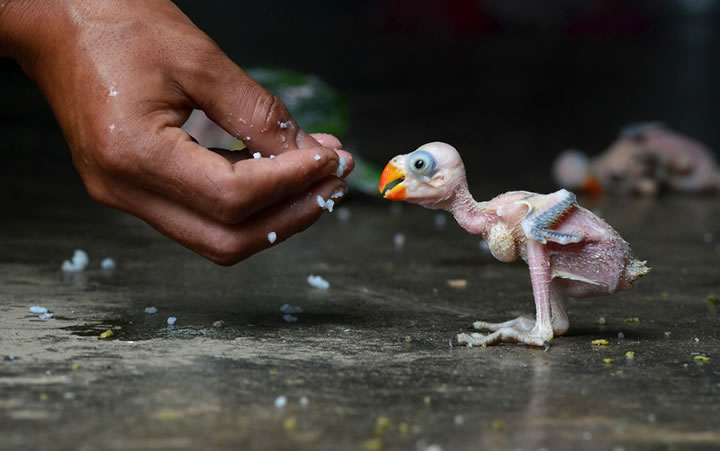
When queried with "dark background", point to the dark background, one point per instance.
{"points": [[509, 82]]}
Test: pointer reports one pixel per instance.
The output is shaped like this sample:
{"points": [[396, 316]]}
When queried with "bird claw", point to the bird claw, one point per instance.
{"points": [[506, 334]]}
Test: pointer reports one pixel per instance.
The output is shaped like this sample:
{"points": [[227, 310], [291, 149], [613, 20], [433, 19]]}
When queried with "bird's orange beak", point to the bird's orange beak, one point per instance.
{"points": [[392, 184]]}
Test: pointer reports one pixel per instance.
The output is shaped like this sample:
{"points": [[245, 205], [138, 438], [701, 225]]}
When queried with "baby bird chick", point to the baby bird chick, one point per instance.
{"points": [[569, 250]]}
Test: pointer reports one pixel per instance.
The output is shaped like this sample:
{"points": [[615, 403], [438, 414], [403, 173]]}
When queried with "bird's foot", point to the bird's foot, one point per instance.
{"points": [[521, 324], [532, 337]]}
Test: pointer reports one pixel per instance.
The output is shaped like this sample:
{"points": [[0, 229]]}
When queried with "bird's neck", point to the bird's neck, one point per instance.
{"points": [[470, 214]]}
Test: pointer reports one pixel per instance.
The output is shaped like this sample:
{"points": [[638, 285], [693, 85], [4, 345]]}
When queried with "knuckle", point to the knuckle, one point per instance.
{"points": [[227, 250], [115, 160], [231, 205], [271, 111]]}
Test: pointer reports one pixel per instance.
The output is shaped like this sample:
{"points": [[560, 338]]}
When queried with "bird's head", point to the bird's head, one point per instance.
{"points": [[430, 176]]}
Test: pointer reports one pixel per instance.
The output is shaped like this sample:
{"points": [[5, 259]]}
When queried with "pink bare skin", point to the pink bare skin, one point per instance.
{"points": [[643, 160], [569, 250], [122, 76]]}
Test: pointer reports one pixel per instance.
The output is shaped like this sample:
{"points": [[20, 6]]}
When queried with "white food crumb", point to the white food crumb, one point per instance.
{"points": [[107, 263], [272, 236], [46, 316], [150, 310], [304, 401], [291, 309], [337, 194], [272, 156], [68, 395], [285, 124], [344, 214], [38, 309], [242, 120], [113, 92], [247, 138], [459, 420], [171, 320], [282, 138], [320, 201], [602, 321], [342, 166], [79, 262], [218, 324], [318, 282], [325, 204], [317, 157], [667, 333], [257, 155], [440, 221], [112, 127], [399, 240], [290, 318], [587, 435], [280, 402]]}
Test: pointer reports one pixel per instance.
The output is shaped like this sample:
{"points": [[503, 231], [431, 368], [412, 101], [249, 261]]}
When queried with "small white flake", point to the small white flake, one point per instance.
{"points": [[602, 321], [318, 282], [257, 155], [171, 320], [37, 309], [69, 396], [304, 401], [459, 420], [280, 402], [290, 318], [272, 236], [112, 127], [282, 138], [79, 262], [325, 204], [291, 309], [317, 157], [342, 166], [112, 92], [218, 324], [150, 310], [285, 124], [399, 240], [272, 156], [107, 263], [337, 194], [46, 316], [242, 120], [320, 201], [247, 138]]}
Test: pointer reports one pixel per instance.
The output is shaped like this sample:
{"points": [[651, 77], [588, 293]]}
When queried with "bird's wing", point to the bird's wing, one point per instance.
{"points": [[546, 210]]}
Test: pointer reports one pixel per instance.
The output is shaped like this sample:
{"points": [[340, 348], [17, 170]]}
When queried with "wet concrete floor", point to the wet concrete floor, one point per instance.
{"points": [[369, 362]]}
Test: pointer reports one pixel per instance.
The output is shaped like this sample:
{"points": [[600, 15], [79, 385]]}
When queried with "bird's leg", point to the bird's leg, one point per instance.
{"points": [[559, 320], [517, 329]]}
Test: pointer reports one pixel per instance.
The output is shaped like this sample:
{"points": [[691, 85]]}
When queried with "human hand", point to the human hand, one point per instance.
{"points": [[122, 76]]}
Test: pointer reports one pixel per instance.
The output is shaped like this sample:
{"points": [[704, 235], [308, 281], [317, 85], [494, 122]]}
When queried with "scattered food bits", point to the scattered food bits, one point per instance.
{"points": [[171, 320], [632, 320], [621, 336], [318, 282], [45, 316], [43, 397], [272, 373], [497, 426], [79, 262], [290, 318], [382, 425], [290, 424], [373, 444], [291, 309], [151, 310], [10, 358], [607, 361], [701, 358], [285, 124], [304, 401], [218, 324], [600, 342], [697, 340], [69, 396], [37, 309], [713, 300], [399, 241], [403, 429], [337, 194], [280, 402], [256, 155], [107, 334], [668, 333], [272, 236], [113, 92], [459, 420], [458, 284], [272, 156], [408, 339], [630, 355], [602, 321], [107, 263], [427, 400], [325, 204], [75, 366], [342, 167], [317, 157]]}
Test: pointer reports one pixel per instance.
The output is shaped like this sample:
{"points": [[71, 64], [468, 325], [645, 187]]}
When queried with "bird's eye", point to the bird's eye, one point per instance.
{"points": [[422, 163]]}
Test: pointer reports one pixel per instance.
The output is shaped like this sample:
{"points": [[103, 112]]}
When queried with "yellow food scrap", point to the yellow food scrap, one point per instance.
{"points": [[713, 300], [458, 284], [403, 429], [632, 320], [607, 361], [497, 426], [374, 444], [75, 366], [665, 294], [272, 373], [701, 358], [600, 342], [630, 355], [43, 397], [290, 424], [107, 334], [427, 400], [408, 339], [382, 425]]}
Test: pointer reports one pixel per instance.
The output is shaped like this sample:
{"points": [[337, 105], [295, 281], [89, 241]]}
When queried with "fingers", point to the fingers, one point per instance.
{"points": [[228, 244], [246, 110]]}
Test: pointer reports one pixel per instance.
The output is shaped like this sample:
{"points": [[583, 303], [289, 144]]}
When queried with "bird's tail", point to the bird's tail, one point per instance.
{"points": [[635, 269]]}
